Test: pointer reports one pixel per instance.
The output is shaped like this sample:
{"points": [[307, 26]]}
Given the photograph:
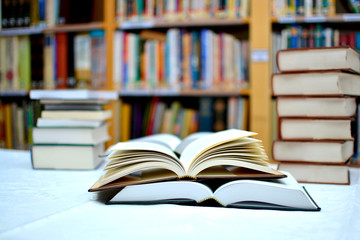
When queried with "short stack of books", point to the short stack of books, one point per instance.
{"points": [[72, 130], [317, 90], [228, 168]]}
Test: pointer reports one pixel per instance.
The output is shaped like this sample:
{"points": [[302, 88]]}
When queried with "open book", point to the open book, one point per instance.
{"points": [[226, 154], [285, 194]]}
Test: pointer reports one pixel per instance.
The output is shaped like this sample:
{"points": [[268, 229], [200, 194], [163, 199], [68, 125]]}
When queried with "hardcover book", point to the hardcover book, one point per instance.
{"points": [[321, 83], [321, 58], [317, 173], [231, 154], [331, 107], [286, 194], [312, 151], [316, 129]]}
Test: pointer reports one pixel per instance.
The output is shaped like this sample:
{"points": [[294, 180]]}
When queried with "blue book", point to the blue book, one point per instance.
{"points": [[206, 114], [357, 41], [195, 61]]}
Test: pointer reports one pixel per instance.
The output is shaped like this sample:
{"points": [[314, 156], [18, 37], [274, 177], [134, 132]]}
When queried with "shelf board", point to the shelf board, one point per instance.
{"points": [[339, 18], [183, 93], [14, 93], [186, 23], [226, 93], [22, 31], [76, 27]]}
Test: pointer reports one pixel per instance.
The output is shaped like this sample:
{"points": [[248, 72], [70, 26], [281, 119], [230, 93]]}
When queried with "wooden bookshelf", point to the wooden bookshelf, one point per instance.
{"points": [[259, 27], [260, 71]]}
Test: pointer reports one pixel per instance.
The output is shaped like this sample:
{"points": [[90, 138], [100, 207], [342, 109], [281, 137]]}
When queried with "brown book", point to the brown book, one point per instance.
{"points": [[316, 129], [317, 173], [329, 107], [320, 83], [202, 156], [335, 152], [322, 58]]}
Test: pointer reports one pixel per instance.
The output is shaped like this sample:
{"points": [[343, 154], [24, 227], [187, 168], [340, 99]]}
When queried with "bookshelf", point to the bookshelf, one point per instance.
{"points": [[257, 28]]}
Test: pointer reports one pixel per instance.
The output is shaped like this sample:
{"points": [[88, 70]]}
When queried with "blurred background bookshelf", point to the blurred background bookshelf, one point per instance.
{"points": [[168, 52]]}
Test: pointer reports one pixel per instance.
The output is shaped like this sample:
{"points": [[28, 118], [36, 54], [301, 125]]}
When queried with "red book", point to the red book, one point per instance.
{"points": [[62, 58]]}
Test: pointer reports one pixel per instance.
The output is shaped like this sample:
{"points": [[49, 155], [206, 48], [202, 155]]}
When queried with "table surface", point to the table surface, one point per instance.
{"points": [[55, 204]]}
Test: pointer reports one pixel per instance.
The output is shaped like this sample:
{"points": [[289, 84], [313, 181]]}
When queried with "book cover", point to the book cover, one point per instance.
{"points": [[62, 58]]}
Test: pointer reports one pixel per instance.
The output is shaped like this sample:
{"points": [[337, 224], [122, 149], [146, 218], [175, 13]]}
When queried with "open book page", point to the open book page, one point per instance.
{"points": [[244, 152], [284, 192], [231, 147], [189, 139], [164, 190], [168, 140], [133, 156], [197, 147]]}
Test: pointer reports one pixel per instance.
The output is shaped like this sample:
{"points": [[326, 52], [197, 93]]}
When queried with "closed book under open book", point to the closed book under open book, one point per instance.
{"points": [[322, 58], [284, 194], [225, 154]]}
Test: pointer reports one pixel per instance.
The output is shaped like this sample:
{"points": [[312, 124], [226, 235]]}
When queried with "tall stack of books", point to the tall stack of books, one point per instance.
{"points": [[317, 90], [72, 130]]}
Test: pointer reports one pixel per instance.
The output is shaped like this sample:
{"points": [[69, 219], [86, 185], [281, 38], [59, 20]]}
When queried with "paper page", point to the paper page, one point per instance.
{"points": [[202, 144], [189, 139], [163, 191], [168, 140], [284, 192]]}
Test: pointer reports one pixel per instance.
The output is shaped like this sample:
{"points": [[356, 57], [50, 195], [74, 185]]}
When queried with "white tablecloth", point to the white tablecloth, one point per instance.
{"points": [[48, 204]]}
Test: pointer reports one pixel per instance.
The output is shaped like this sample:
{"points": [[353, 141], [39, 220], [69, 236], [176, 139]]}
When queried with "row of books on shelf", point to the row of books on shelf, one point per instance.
{"points": [[160, 116], [318, 113], [316, 35], [313, 35], [180, 59], [24, 13], [41, 13], [17, 120], [59, 60], [304, 8], [173, 10]]}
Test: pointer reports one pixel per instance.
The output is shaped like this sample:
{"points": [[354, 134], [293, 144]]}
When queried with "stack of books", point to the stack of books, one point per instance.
{"points": [[227, 168], [317, 90], [71, 132]]}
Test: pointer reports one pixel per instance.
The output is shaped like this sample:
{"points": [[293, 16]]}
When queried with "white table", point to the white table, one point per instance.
{"points": [[49, 204]]}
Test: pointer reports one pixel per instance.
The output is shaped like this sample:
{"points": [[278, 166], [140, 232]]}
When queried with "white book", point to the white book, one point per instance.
{"points": [[73, 94], [329, 83], [283, 194], [316, 106], [315, 129], [324, 58], [313, 151], [70, 135], [75, 157], [118, 56], [48, 122]]}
